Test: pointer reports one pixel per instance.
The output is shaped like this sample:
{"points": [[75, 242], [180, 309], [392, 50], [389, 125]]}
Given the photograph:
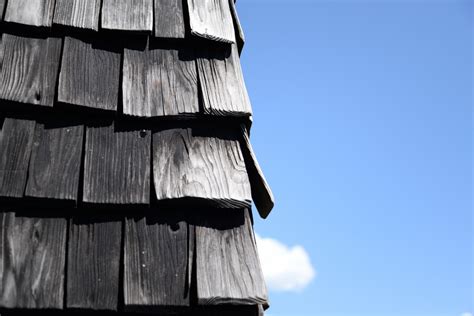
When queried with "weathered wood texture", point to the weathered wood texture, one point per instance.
{"points": [[240, 36], [81, 14], [203, 167], [261, 192], [227, 265], [32, 262], [55, 162], [117, 166], [16, 140], [130, 15], [211, 19], [160, 81], [94, 263], [89, 75], [30, 69], [222, 82], [30, 12], [169, 19], [2, 9], [156, 262]]}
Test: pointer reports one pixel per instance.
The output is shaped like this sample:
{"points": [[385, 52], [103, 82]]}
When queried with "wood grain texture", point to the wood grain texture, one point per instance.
{"points": [[227, 264], [33, 257], [222, 82], [261, 192], [240, 36], [129, 15], [55, 162], [16, 140], [89, 75], [30, 12], [160, 82], [82, 14], [169, 19], [30, 69], [117, 166], [202, 167], [156, 262], [94, 263], [2, 9], [211, 19]]}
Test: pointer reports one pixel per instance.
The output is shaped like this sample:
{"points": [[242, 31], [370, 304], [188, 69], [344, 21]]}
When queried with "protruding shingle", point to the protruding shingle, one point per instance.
{"points": [[128, 15], [203, 167], [30, 12], [90, 74], [30, 69], [169, 19], [160, 81], [240, 36], [82, 14]]}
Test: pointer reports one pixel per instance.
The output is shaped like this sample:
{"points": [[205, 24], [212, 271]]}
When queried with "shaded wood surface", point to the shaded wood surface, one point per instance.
{"points": [[261, 192], [204, 167], [221, 79], [130, 15], [156, 262], [30, 69], [239, 31], [81, 14], [211, 19], [55, 162], [94, 263], [32, 262], [89, 75], [117, 166], [169, 19], [227, 263], [16, 140], [30, 12], [2, 9], [160, 81]]}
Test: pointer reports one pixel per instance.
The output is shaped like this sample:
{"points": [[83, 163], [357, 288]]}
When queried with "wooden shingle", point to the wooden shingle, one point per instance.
{"points": [[82, 14], [30, 69], [16, 140], [55, 161], [169, 19], [117, 166], [156, 262], [32, 252], [30, 12], [129, 15], [227, 264], [211, 19], [90, 74], [2, 8], [93, 269], [160, 81], [188, 165], [240, 36], [222, 82]]}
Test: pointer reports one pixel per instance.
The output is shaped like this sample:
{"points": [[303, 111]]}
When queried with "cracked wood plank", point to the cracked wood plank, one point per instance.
{"points": [[128, 15], [82, 14]]}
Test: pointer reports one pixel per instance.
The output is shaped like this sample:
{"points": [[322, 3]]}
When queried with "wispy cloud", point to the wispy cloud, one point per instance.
{"points": [[466, 314], [285, 268]]}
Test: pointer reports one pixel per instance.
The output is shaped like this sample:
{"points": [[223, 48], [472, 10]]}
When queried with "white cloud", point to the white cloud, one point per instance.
{"points": [[466, 314], [285, 268]]}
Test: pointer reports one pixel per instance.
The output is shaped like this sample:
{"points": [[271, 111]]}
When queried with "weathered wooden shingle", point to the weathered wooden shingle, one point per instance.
{"points": [[222, 82], [227, 265], [89, 74], [2, 8], [211, 19], [129, 15], [30, 12], [261, 193], [117, 166], [169, 19], [94, 263], [16, 140], [30, 69], [240, 36], [81, 14], [156, 262], [55, 161], [160, 81], [208, 168], [33, 257]]}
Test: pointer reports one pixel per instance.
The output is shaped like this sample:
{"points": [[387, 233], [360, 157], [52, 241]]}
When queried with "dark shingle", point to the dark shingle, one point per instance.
{"points": [[169, 19]]}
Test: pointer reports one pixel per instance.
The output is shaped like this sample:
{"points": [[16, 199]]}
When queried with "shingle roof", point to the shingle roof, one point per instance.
{"points": [[126, 170]]}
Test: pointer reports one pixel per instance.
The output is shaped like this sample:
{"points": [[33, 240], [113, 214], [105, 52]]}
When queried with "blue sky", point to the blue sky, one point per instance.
{"points": [[363, 127]]}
